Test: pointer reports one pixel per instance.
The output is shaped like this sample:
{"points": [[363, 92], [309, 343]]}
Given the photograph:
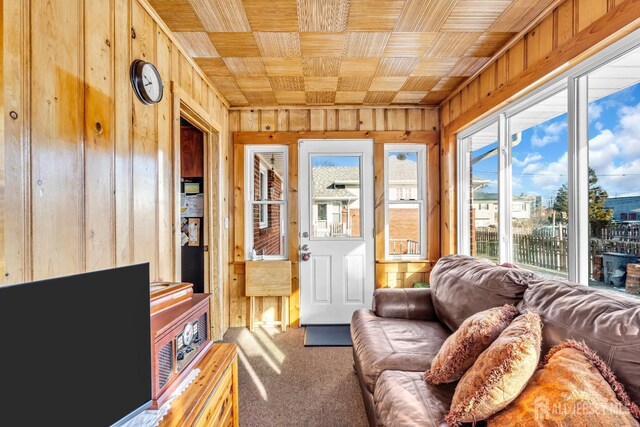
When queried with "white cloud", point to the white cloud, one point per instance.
{"points": [[552, 175], [530, 158], [615, 154], [555, 128], [595, 111], [551, 133]]}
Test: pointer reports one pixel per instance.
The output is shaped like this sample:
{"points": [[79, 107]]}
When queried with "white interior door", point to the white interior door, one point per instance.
{"points": [[336, 229]]}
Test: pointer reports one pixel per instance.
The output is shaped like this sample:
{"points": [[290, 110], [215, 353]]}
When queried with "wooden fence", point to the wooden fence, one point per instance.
{"points": [[403, 247], [628, 232], [548, 252]]}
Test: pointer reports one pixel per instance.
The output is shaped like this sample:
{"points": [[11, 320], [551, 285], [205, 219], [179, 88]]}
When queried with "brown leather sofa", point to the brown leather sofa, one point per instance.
{"points": [[395, 342]]}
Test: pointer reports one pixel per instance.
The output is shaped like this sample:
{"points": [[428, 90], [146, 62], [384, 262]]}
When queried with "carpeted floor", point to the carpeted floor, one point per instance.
{"points": [[283, 383]]}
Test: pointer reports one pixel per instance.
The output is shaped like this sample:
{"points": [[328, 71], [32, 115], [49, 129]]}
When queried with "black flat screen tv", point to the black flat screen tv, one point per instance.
{"points": [[76, 350]]}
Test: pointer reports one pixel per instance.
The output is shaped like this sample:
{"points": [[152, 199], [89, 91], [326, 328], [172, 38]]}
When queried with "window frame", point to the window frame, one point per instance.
{"points": [[421, 197], [263, 221], [249, 184], [575, 81]]}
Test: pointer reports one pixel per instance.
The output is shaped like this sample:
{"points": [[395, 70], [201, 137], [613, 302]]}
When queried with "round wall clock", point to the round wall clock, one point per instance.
{"points": [[146, 82]]}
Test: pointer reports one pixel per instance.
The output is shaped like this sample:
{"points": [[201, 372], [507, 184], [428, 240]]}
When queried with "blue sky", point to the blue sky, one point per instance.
{"points": [[540, 159], [349, 160], [336, 160]]}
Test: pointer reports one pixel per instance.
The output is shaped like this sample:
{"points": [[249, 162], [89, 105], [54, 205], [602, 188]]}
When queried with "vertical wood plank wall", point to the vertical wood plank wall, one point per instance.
{"points": [[572, 32], [89, 168], [304, 119]]}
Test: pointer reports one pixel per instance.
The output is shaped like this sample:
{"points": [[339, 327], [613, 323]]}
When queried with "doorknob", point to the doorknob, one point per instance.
{"points": [[306, 256]]}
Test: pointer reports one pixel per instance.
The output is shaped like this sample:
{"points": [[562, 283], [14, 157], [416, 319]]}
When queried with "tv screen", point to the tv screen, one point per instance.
{"points": [[76, 350]]}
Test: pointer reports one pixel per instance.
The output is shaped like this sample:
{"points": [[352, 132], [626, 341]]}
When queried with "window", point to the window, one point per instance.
{"points": [[335, 198], [613, 174], [405, 193], [539, 176], [266, 201], [322, 212], [568, 198], [482, 149]]}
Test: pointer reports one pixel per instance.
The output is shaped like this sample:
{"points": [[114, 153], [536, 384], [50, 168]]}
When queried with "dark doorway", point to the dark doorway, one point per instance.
{"points": [[192, 204]]}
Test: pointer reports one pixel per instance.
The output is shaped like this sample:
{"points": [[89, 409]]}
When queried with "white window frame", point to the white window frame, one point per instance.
{"points": [[421, 198], [264, 195], [576, 82], [249, 184]]}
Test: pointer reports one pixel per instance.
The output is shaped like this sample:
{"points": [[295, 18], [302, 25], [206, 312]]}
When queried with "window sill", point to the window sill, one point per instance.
{"points": [[404, 261]]}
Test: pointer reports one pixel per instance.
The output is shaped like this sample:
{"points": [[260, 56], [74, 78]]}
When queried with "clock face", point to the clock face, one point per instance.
{"points": [[146, 82], [187, 334]]}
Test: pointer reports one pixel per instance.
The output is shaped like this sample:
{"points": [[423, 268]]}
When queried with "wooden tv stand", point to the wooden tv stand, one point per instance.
{"points": [[212, 398]]}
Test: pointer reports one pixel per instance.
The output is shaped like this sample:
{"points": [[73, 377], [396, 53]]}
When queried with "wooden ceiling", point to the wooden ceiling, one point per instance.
{"points": [[354, 52]]}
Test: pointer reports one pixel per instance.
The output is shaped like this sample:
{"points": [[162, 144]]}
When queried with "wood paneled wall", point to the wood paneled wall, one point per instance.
{"points": [[572, 32], [89, 168], [268, 125]]}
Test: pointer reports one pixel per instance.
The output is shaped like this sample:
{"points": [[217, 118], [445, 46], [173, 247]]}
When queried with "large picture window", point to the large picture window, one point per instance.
{"points": [[562, 167], [266, 202], [405, 193]]}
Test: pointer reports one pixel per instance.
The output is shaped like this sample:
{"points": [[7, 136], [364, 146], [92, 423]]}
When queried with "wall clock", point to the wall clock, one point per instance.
{"points": [[146, 82]]}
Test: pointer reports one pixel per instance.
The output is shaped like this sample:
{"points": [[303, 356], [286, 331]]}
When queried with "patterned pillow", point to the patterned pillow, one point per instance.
{"points": [[500, 373], [573, 387], [463, 347]]}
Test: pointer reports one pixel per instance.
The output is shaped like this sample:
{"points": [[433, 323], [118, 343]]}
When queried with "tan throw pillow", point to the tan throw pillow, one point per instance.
{"points": [[462, 349], [574, 388], [500, 373]]}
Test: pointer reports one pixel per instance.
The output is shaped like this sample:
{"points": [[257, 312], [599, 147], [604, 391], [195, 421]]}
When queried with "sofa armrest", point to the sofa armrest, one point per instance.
{"points": [[404, 303]]}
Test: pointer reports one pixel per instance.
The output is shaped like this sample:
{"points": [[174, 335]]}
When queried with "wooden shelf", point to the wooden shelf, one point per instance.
{"points": [[212, 398]]}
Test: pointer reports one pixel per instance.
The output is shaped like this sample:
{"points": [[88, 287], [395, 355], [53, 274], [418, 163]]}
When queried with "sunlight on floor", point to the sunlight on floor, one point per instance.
{"points": [[260, 344], [267, 342], [247, 341], [252, 373]]}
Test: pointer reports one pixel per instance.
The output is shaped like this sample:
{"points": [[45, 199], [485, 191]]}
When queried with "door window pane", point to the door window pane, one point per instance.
{"points": [[614, 174], [335, 199], [539, 208], [484, 193]]}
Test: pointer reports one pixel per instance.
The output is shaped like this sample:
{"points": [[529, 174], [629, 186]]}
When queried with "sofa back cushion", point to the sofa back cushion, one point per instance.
{"points": [[608, 323], [462, 286]]}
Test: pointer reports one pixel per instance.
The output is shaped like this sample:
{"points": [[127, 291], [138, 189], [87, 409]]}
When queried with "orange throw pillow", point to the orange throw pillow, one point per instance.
{"points": [[500, 373], [574, 388], [461, 350]]}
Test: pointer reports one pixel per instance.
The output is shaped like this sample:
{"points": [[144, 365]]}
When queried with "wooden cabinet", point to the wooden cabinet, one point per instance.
{"points": [[212, 398], [191, 152]]}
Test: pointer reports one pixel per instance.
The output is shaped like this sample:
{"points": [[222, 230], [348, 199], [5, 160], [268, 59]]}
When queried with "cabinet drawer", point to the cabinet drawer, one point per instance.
{"points": [[219, 405]]}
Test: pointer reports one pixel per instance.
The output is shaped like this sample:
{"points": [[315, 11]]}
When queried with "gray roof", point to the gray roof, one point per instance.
{"points": [[325, 176], [402, 170]]}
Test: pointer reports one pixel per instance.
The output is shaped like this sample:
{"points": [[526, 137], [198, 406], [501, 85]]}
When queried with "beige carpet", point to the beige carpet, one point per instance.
{"points": [[283, 383]]}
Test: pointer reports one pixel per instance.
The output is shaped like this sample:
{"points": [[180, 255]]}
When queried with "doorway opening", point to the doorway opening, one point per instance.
{"points": [[193, 220]]}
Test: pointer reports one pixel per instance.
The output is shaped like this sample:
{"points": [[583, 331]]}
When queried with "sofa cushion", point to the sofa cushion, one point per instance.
{"points": [[500, 373], [381, 343], [404, 399], [473, 337], [483, 284], [404, 303], [574, 387], [608, 323]]}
